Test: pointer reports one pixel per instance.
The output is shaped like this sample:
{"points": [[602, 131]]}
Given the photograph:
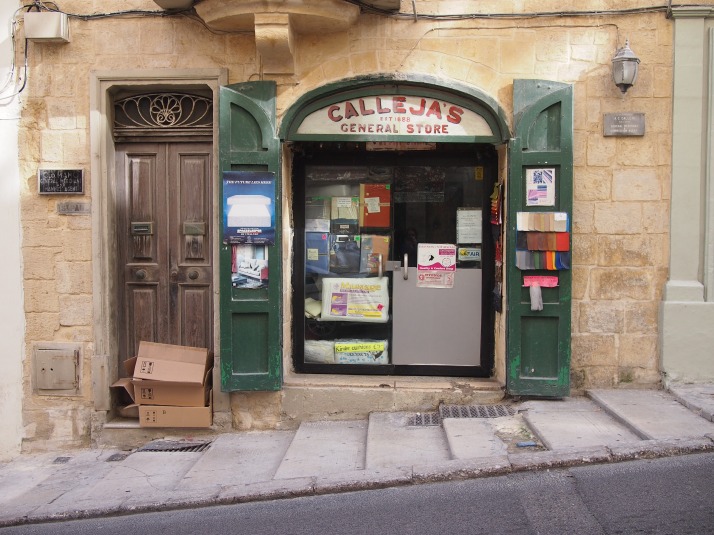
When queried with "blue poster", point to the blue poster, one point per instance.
{"points": [[249, 207]]}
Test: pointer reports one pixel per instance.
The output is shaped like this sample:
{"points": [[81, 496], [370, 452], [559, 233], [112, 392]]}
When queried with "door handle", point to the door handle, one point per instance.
{"points": [[379, 269], [193, 275], [140, 274], [405, 267]]}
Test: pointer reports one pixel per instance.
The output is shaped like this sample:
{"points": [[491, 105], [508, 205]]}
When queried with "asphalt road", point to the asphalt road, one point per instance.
{"points": [[665, 496]]}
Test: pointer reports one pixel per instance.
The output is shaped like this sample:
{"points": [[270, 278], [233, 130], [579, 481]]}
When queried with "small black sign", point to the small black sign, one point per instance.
{"points": [[60, 181]]}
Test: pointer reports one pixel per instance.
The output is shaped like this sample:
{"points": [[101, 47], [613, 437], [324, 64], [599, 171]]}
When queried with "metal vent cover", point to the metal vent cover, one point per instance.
{"points": [[176, 446], [475, 411], [422, 419]]}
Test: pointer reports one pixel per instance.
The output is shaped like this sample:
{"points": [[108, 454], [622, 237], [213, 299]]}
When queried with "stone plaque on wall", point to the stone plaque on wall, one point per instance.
{"points": [[624, 124]]}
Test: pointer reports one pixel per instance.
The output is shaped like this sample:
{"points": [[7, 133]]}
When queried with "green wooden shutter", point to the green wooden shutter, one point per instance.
{"points": [[538, 342], [251, 321]]}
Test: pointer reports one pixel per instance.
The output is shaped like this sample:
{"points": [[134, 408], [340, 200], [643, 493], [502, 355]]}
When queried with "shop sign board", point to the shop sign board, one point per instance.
{"points": [[400, 115]]}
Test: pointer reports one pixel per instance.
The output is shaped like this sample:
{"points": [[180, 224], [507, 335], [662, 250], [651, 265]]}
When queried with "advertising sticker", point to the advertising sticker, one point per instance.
{"points": [[436, 265], [248, 207]]}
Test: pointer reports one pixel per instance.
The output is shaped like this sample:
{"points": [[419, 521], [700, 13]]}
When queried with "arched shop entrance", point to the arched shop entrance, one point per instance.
{"points": [[399, 250], [395, 247]]}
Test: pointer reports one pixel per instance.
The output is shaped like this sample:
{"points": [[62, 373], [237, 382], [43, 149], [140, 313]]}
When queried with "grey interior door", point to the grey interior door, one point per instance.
{"points": [[437, 326]]}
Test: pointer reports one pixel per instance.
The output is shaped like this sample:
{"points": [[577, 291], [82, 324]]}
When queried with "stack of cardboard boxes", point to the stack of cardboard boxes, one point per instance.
{"points": [[170, 386]]}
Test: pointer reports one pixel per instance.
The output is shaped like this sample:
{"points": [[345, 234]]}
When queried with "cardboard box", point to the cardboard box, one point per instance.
{"points": [[129, 411], [178, 364], [179, 376], [148, 392], [169, 416]]}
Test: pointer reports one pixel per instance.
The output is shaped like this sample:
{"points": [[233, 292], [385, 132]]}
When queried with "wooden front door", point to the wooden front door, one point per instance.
{"points": [[164, 242]]}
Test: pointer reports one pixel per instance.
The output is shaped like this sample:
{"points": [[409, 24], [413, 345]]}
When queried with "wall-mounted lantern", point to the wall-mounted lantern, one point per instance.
{"points": [[624, 67]]}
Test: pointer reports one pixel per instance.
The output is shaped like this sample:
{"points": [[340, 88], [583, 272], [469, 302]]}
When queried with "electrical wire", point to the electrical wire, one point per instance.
{"points": [[510, 27], [45, 6], [14, 21], [365, 7], [368, 8]]}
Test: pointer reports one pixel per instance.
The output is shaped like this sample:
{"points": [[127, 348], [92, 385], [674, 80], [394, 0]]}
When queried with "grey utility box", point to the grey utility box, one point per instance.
{"points": [[56, 369]]}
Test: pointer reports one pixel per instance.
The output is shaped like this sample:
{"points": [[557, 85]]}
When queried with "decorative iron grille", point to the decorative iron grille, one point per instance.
{"points": [[163, 112]]}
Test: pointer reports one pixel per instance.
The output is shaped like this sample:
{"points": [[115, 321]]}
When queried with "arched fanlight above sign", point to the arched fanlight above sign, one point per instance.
{"points": [[414, 109]]}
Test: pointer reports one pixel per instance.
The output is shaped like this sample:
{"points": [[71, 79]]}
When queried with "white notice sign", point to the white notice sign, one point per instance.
{"points": [[469, 225]]}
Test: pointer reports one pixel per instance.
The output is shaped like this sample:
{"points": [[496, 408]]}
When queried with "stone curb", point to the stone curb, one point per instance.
{"points": [[563, 458], [391, 477], [661, 448]]}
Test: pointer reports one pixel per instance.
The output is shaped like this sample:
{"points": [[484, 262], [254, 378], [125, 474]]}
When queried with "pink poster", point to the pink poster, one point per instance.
{"points": [[436, 265]]}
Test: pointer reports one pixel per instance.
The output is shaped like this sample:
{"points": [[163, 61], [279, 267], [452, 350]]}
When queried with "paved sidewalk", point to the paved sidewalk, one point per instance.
{"points": [[388, 449]]}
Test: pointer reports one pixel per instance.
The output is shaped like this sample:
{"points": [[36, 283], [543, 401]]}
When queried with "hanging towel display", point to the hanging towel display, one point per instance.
{"points": [[536, 297]]}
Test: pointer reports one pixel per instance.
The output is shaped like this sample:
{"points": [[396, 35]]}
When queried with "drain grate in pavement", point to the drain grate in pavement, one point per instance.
{"points": [[176, 446], [62, 460], [423, 419], [475, 411]]}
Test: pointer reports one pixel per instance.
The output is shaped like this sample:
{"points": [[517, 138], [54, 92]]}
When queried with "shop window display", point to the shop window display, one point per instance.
{"points": [[361, 222]]}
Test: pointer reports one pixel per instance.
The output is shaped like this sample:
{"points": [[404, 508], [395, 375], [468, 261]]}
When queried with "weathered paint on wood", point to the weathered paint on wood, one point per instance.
{"points": [[251, 319], [538, 342]]}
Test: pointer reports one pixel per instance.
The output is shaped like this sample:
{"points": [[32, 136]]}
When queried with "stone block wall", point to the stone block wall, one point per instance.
{"points": [[621, 185]]}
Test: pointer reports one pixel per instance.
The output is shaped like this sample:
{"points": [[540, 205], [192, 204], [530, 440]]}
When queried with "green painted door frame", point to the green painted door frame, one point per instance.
{"points": [[538, 342], [251, 319]]}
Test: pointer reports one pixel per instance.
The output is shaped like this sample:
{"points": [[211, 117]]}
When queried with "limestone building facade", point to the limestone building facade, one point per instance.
{"points": [[481, 57]]}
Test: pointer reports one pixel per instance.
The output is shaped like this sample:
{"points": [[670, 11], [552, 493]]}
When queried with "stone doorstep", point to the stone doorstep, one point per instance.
{"points": [[350, 397], [327, 397]]}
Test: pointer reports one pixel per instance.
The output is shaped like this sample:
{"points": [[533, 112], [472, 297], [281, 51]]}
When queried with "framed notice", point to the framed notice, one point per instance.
{"points": [[249, 207], [540, 187], [469, 225]]}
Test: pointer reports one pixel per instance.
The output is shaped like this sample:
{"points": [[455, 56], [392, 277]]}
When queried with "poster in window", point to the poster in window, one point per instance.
{"points": [[249, 207], [249, 266], [540, 187]]}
